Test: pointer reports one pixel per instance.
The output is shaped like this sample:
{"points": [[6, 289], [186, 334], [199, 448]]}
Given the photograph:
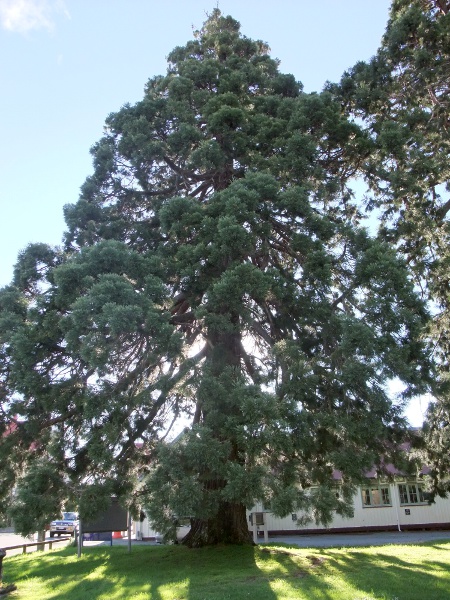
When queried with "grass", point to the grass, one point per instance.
{"points": [[272, 572]]}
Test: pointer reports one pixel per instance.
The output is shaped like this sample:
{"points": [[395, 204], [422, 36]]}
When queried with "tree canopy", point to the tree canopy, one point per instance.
{"points": [[215, 273], [401, 98]]}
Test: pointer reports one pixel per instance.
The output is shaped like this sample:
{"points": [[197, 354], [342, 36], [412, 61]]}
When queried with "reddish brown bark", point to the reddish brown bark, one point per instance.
{"points": [[228, 527]]}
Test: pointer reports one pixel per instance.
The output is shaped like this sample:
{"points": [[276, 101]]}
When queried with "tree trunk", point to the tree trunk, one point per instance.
{"points": [[40, 538], [228, 527]]}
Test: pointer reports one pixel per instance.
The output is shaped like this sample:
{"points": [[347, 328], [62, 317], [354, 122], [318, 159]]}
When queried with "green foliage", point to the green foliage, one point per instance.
{"points": [[214, 271], [38, 498], [402, 98], [434, 445]]}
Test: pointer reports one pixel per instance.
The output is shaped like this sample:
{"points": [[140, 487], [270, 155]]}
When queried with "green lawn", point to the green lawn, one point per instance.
{"points": [[272, 572]]}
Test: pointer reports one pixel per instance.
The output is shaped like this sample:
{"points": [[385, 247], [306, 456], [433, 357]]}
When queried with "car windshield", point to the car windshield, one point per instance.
{"points": [[69, 516]]}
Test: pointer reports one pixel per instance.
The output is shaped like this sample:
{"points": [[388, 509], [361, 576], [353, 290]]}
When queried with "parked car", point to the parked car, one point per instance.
{"points": [[67, 525]]}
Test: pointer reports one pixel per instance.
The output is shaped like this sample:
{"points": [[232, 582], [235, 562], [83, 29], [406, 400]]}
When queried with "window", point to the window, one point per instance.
{"points": [[259, 518], [411, 493], [376, 496]]}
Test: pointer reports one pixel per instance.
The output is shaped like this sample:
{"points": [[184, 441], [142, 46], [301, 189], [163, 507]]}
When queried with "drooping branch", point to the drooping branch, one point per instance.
{"points": [[442, 6], [251, 370], [169, 385], [261, 332]]}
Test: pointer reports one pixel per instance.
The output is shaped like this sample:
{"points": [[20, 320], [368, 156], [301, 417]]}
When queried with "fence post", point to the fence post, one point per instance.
{"points": [[80, 538], [129, 530], [2, 556]]}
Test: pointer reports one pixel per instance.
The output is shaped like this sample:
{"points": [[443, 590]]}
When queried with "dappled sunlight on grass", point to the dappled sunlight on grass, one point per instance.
{"points": [[403, 572], [173, 591], [272, 572]]}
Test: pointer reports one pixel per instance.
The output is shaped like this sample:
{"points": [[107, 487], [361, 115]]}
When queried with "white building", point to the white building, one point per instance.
{"points": [[378, 506]]}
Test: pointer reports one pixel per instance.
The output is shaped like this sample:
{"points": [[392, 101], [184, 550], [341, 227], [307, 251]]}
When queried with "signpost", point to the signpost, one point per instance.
{"points": [[115, 518]]}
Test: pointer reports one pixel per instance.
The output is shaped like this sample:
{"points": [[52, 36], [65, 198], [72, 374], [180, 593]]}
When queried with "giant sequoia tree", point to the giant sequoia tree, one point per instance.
{"points": [[214, 272]]}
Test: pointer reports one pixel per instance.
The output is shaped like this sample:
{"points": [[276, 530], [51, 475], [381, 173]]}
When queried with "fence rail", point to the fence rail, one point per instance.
{"points": [[24, 547]]}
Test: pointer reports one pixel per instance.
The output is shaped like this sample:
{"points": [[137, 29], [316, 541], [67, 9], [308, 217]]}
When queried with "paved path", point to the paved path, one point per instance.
{"points": [[326, 540], [378, 538]]}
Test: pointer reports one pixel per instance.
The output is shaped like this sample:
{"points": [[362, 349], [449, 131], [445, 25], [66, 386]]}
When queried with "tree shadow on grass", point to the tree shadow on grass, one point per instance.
{"points": [[296, 572], [153, 573], [233, 573], [382, 574]]}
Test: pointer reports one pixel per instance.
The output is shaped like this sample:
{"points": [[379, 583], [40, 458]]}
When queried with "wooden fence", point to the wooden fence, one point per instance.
{"points": [[11, 588], [49, 542]]}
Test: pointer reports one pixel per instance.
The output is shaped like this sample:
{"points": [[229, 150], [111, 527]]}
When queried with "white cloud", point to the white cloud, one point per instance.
{"points": [[24, 15]]}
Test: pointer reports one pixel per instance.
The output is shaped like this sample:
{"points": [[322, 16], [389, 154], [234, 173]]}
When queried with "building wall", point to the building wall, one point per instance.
{"points": [[366, 518], [144, 530]]}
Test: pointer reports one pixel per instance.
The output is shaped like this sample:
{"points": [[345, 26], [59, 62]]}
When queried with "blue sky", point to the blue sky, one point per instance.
{"points": [[67, 64]]}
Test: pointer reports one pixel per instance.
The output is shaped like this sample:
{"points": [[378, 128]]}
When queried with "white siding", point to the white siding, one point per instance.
{"points": [[364, 517], [143, 529], [371, 516]]}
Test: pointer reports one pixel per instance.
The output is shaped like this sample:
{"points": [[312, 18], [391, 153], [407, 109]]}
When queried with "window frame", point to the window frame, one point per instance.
{"points": [[381, 491], [405, 495]]}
